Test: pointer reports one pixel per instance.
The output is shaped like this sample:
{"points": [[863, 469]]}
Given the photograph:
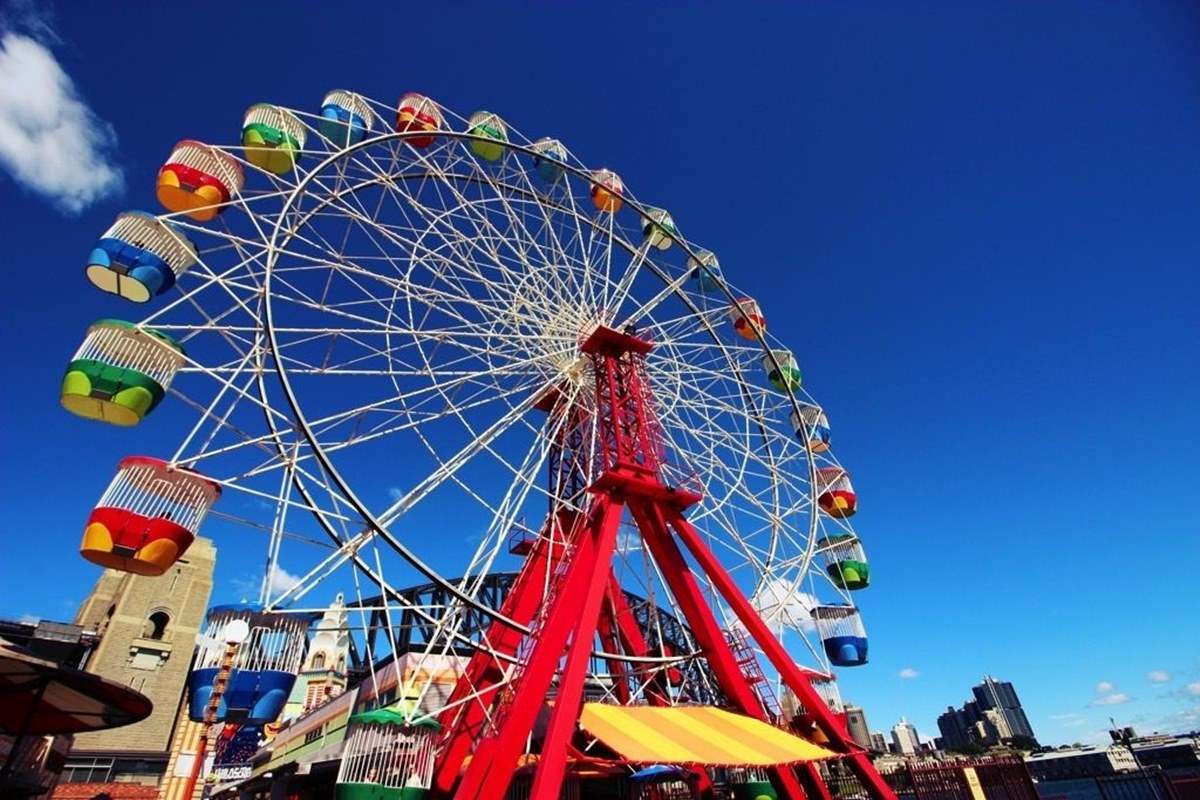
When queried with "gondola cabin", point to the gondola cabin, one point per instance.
{"points": [[748, 320], [345, 118], [416, 113], [607, 191], [782, 370], [812, 426], [388, 756], [706, 269], [493, 135], [198, 180], [148, 516], [835, 494], [273, 138], [120, 373], [550, 155], [139, 257], [845, 561], [264, 666], [842, 633], [658, 228]]}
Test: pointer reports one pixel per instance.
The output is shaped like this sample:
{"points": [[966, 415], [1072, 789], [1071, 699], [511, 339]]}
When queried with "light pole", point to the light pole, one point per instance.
{"points": [[234, 633]]}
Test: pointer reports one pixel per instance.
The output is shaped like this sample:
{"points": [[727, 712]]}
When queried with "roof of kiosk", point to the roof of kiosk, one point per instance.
{"points": [[694, 735]]}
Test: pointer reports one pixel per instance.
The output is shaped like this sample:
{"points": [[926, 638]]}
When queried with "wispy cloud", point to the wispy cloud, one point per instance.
{"points": [[248, 586], [1114, 699], [1193, 688], [51, 142], [1104, 687], [1070, 719], [908, 673], [1158, 676]]}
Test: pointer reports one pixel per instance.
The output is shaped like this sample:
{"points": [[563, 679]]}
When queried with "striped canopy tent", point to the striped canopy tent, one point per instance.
{"points": [[695, 735]]}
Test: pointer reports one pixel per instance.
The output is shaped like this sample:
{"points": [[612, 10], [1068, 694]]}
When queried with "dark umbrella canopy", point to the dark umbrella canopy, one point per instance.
{"points": [[39, 697]]}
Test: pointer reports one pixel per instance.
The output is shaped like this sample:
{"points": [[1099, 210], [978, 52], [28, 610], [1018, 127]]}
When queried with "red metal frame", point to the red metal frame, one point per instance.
{"points": [[585, 600]]}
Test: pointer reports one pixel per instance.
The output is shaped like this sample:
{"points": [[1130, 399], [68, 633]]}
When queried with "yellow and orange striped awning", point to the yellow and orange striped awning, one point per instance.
{"points": [[694, 735]]}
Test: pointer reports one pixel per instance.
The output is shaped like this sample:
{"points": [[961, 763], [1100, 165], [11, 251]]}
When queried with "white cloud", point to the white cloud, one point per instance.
{"points": [[395, 492], [248, 587], [51, 142], [1115, 699], [780, 606], [908, 673], [30, 619], [1158, 676], [1104, 687], [282, 581], [1193, 688]]}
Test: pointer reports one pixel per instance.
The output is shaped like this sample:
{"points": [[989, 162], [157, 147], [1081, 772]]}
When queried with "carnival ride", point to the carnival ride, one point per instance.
{"points": [[380, 338]]}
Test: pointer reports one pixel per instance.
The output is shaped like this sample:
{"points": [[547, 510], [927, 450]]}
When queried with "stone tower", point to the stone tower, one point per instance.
{"points": [[148, 628], [323, 674]]}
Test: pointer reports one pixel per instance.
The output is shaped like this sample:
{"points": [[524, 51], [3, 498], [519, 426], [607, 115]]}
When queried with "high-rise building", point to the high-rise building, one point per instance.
{"points": [[904, 736], [147, 629], [878, 743], [856, 725], [1001, 697]]}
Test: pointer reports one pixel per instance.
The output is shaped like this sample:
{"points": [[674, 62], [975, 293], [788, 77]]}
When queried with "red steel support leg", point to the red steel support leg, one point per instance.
{"points": [[779, 658], [465, 720], [492, 766], [632, 639], [704, 627], [553, 763], [609, 641]]}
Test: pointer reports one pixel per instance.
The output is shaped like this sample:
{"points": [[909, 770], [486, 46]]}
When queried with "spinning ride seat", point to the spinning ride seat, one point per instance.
{"points": [[658, 228], [264, 668], [748, 319], [811, 425], [835, 494], [148, 516], [549, 160], [494, 131], [198, 180], [607, 190], [139, 257], [845, 561], [782, 370], [417, 113], [273, 138], [388, 755], [345, 117], [842, 634], [120, 372], [706, 269]]}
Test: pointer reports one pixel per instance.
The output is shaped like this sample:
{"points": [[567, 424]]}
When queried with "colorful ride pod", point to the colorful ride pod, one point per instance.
{"points": [[345, 117], [494, 133], [416, 113], [148, 516], [748, 319], [658, 229], [842, 633], [273, 138], [550, 155], [198, 179], [389, 755], [812, 426], [264, 665], [835, 494], [782, 370], [706, 269], [845, 561], [120, 372], [607, 190], [139, 257]]}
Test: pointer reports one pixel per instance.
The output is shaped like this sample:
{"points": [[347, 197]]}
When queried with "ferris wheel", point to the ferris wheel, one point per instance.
{"points": [[387, 344]]}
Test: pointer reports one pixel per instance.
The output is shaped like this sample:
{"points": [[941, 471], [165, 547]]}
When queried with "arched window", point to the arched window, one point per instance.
{"points": [[156, 625], [318, 661], [341, 665]]}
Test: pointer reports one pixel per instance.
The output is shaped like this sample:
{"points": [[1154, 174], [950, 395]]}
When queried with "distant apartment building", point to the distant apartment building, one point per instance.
{"points": [[904, 737], [878, 743], [1080, 762], [856, 725], [993, 716]]}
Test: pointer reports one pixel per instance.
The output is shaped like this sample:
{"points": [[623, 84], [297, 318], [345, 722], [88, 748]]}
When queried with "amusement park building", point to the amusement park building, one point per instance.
{"points": [[147, 630]]}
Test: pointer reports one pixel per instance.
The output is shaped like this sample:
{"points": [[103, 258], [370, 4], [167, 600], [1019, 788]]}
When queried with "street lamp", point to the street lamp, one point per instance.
{"points": [[234, 633]]}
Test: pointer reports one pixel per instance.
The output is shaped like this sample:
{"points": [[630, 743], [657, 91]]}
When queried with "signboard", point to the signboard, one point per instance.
{"points": [[973, 783]]}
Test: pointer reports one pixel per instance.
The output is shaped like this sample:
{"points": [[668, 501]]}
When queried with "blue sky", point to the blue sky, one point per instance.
{"points": [[982, 221]]}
